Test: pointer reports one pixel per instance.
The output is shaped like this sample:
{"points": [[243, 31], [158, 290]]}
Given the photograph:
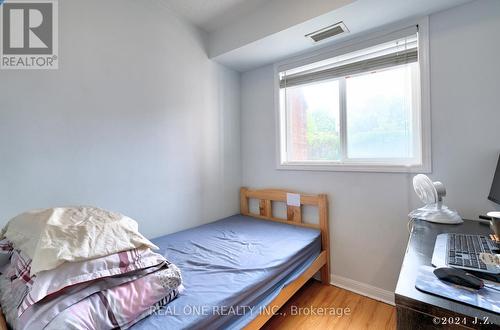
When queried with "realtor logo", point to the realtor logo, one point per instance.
{"points": [[29, 38]]}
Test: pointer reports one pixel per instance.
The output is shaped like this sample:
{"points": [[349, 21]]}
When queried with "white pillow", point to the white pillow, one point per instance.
{"points": [[53, 236]]}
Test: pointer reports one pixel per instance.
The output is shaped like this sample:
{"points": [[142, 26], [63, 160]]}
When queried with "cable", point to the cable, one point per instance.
{"points": [[491, 287], [481, 221], [408, 225]]}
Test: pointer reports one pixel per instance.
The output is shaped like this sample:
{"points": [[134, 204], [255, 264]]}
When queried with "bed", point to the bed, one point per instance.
{"points": [[238, 271]]}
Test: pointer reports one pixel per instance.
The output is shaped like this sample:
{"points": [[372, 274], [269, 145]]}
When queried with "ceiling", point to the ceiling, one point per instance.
{"points": [[211, 15], [245, 34], [235, 47]]}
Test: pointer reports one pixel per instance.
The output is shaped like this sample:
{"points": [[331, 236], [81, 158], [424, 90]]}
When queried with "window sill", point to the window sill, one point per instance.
{"points": [[357, 167]]}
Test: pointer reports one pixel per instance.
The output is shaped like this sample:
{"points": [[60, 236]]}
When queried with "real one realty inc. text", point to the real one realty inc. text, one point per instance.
{"points": [[243, 310]]}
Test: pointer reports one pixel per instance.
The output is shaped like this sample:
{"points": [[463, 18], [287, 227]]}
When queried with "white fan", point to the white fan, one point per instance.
{"points": [[431, 194]]}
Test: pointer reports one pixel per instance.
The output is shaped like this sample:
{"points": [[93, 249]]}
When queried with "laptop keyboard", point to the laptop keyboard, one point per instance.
{"points": [[464, 250]]}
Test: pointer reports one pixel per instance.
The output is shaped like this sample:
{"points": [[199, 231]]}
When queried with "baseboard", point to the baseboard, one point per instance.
{"points": [[363, 289]]}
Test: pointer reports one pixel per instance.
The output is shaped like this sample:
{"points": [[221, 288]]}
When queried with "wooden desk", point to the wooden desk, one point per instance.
{"points": [[418, 310]]}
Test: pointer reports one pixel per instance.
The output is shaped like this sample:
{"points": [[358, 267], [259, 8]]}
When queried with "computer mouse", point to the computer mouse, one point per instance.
{"points": [[458, 276]]}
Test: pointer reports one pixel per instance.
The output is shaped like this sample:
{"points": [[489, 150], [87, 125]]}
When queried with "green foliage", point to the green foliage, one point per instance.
{"points": [[322, 138], [379, 129]]}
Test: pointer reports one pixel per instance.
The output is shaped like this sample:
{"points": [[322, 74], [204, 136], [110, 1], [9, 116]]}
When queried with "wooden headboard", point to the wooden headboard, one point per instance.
{"points": [[294, 214]]}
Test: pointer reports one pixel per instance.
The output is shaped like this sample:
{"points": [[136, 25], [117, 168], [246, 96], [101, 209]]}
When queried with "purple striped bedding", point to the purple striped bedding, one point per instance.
{"points": [[114, 291]]}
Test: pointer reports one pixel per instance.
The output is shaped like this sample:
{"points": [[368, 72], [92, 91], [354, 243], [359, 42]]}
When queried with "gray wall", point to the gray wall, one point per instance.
{"points": [[368, 213], [136, 120]]}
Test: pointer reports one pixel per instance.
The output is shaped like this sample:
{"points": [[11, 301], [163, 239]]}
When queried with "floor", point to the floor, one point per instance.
{"points": [[334, 308]]}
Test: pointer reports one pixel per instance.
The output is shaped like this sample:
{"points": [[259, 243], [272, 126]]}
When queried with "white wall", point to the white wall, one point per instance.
{"points": [[136, 120], [368, 214]]}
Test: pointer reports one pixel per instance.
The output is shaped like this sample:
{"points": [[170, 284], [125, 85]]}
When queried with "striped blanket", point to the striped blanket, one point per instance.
{"points": [[110, 292]]}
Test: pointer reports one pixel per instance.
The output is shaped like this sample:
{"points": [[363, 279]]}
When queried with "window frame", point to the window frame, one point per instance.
{"points": [[362, 165]]}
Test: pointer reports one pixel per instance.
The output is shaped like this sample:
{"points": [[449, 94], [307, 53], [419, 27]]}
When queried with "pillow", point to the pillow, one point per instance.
{"points": [[51, 282], [53, 236]]}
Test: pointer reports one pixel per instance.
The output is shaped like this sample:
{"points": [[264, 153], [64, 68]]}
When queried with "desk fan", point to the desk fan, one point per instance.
{"points": [[431, 194]]}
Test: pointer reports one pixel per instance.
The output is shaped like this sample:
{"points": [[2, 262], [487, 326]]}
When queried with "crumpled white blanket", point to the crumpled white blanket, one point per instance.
{"points": [[53, 236]]}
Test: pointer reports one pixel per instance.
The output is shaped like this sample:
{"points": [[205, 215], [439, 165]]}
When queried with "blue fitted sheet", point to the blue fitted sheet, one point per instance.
{"points": [[231, 269]]}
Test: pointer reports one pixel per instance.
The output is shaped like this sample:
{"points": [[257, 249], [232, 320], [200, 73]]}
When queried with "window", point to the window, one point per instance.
{"points": [[356, 111]]}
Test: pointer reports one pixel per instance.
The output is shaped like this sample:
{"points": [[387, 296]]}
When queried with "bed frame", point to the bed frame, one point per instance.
{"points": [[294, 217]]}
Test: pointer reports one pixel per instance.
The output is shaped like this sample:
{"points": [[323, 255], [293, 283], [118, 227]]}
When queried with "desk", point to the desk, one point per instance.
{"points": [[416, 309]]}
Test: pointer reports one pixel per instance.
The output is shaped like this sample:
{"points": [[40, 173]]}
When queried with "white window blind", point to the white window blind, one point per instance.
{"points": [[389, 54]]}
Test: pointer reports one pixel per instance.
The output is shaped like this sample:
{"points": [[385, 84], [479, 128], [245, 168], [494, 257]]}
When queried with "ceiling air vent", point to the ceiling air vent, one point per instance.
{"points": [[328, 32]]}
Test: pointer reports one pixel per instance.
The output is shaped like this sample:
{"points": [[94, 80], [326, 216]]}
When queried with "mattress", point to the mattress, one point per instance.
{"points": [[231, 270]]}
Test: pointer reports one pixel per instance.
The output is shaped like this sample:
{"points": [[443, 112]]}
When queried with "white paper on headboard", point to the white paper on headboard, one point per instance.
{"points": [[292, 199]]}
